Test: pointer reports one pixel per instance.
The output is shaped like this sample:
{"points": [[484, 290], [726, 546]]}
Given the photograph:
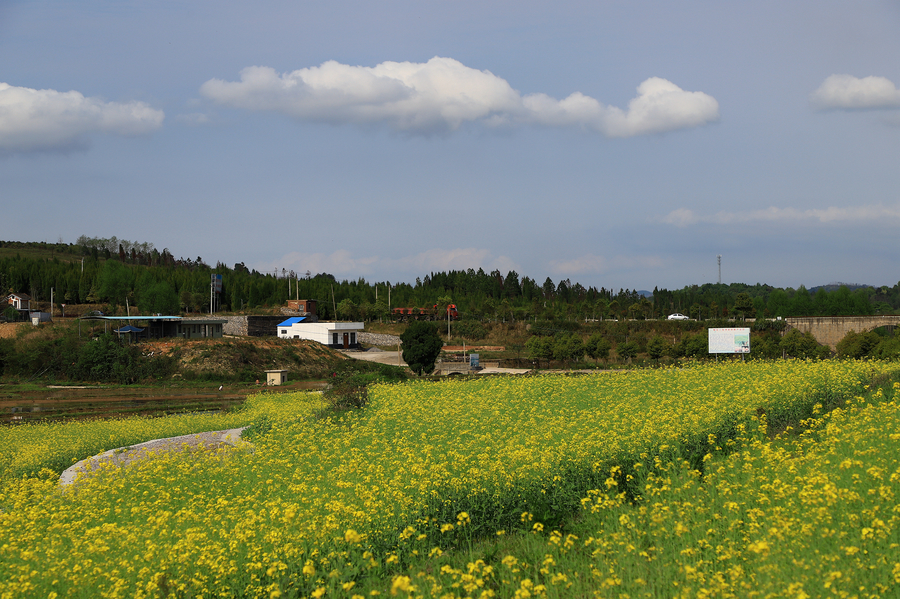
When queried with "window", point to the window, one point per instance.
{"points": [[334, 340], [284, 331]]}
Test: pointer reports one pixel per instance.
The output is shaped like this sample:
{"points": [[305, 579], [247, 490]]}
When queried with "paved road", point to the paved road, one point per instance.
{"points": [[382, 357]]}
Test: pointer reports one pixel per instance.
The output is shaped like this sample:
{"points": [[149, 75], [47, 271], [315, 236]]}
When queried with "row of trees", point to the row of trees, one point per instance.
{"points": [[569, 347], [113, 271]]}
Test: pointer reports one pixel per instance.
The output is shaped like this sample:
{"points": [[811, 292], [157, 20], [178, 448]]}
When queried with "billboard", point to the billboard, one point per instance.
{"points": [[216, 282], [729, 341]]}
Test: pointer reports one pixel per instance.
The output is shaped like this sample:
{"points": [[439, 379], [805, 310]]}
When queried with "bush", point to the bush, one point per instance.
{"points": [[421, 346], [858, 345], [470, 329], [350, 382], [627, 350]]}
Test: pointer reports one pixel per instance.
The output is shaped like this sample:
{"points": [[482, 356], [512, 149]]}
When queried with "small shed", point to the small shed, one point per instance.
{"points": [[19, 301], [304, 306], [276, 377]]}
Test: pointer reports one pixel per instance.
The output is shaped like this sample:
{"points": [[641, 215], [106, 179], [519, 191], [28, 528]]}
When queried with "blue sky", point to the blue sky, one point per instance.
{"points": [[618, 144]]}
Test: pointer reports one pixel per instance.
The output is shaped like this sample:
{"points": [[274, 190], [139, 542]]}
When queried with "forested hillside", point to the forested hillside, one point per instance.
{"points": [[113, 271]]}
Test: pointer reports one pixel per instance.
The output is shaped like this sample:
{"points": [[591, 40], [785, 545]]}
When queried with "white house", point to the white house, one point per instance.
{"points": [[337, 335], [19, 301]]}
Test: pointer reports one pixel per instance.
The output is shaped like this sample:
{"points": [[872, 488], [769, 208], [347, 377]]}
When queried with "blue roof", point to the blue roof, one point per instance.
{"points": [[292, 320]]}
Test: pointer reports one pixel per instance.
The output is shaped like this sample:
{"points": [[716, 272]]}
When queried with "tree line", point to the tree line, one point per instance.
{"points": [[117, 272]]}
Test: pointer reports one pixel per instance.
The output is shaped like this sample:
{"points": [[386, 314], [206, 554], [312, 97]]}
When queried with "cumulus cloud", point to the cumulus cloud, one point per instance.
{"points": [[849, 92], [45, 119], [874, 213], [443, 94]]}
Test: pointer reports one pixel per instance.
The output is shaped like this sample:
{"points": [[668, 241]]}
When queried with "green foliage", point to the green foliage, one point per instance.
{"points": [[350, 382], [568, 347], [7, 348], [743, 304], [260, 427], [346, 309], [540, 348], [694, 345], [765, 345], [421, 346], [868, 344], [106, 275], [598, 347], [11, 314], [802, 345], [107, 359], [159, 298], [762, 324], [469, 329], [58, 352], [888, 348], [657, 347], [627, 350], [115, 282]]}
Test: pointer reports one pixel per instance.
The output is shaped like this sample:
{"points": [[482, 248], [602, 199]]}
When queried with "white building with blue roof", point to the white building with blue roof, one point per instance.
{"points": [[336, 335]]}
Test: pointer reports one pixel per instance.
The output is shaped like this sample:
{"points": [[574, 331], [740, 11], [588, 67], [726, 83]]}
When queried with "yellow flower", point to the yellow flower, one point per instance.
{"points": [[402, 583], [351, 536]]}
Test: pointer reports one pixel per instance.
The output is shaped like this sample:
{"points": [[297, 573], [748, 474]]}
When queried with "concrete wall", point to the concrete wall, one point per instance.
{"points": [[828, 330]]}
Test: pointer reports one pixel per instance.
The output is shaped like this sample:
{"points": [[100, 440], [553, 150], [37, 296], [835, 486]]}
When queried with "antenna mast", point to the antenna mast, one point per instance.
{"points": [[719, 258]]}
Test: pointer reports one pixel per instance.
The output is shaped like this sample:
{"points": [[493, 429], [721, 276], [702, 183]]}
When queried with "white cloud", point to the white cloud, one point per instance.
{"points": [[45, 119], [874, 213], [847, 91], [443, 94]]}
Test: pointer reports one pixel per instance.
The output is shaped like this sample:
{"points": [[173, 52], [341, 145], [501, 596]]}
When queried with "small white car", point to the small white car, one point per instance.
{"points": [[677, 316]]}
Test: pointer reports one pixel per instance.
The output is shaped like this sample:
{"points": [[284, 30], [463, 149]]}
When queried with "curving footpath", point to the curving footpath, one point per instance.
{"points": [[124, 456]]}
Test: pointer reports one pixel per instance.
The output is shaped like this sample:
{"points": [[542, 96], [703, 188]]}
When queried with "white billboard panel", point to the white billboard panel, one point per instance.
{"points": [[729, 341]]}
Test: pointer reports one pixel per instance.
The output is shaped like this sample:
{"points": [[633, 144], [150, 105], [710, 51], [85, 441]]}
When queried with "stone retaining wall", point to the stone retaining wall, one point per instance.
{"points": [[378, 339], [251, 326]]}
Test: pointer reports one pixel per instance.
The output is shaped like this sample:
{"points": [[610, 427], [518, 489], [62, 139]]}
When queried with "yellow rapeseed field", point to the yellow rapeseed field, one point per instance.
{"points": [[317, 506]]}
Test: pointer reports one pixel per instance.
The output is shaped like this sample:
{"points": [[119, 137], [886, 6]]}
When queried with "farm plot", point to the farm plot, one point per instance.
{"points": [[319, 505]]}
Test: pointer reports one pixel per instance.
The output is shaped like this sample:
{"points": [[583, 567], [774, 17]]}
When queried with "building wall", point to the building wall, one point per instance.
{"points": [[323, 332], [199, 330], [250, 326]]}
